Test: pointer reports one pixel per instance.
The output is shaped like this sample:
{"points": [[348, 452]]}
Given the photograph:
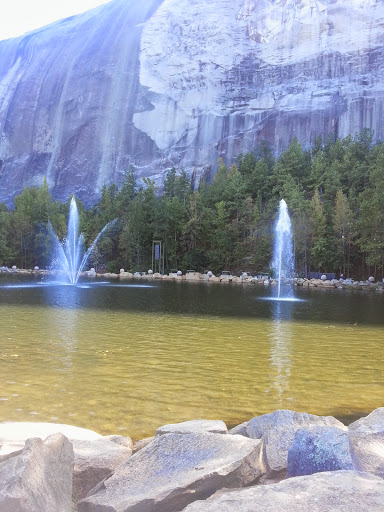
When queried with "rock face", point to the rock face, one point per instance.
{"points": [[277, 431], [338, 491], [319, 449], [39, 479], [94, 461], [194, 427], [176, 469], [161, 83], [367, 439]]}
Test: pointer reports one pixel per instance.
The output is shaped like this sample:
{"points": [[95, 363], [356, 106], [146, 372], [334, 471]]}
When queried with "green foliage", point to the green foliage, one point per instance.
{"points": [[335, 195]]}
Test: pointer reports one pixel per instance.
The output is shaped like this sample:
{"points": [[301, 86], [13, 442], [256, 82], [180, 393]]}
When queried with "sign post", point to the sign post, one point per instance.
{"points": [[158, 256]]}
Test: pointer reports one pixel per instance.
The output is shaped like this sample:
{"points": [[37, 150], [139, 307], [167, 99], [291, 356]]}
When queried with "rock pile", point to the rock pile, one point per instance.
{"points": [[311, 463]]}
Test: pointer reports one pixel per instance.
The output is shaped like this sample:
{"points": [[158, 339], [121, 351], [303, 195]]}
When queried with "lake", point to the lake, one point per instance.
{"points": [[129, 358]]}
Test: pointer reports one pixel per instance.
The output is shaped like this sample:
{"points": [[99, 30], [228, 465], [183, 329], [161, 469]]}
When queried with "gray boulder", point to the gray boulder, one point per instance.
{"points": [[176, 469], [121, 440], [374, 422], [39, 479], [367, 439], [142, 443], [94, 461], [319, 449], [194, 427], [339, 491], [277, 431], [14, 434], [240, 430], [95, 456]]}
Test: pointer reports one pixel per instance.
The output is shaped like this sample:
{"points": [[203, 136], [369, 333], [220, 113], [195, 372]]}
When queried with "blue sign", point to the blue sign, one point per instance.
{"points": [[157, 252]]}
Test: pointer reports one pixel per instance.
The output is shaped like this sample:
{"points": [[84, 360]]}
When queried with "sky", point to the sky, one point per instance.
{"points": [[20, 16]]}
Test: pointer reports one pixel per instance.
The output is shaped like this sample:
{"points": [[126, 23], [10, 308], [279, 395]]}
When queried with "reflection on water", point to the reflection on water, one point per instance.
{"points": [[280, 342], [129, 359]]}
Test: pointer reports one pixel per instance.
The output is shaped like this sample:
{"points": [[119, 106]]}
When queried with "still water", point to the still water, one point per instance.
{"points": [[129, 358]]}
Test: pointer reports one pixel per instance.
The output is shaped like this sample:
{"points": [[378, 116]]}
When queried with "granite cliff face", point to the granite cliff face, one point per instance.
{"points": [[162, 83]]}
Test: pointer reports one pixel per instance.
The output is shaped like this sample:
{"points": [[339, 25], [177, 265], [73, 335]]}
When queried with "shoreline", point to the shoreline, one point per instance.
{"points": [[194, 465], [197, 277]]}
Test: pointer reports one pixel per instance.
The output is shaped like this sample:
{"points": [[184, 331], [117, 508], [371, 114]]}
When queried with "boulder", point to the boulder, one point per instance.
{"points": [[94, 461], [126, 275], [139, 445], [176, 469], [319, 449], [194, 427], [239, 429], [277, 431], [95, 456], [193, 276], [13, 435], [339, 491], [367, 439], [39, 479], [121, 440], [372, 423]]}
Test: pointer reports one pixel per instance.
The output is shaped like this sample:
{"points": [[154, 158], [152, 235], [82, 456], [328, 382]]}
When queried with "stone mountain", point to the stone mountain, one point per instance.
{"points": [[162, 83]]}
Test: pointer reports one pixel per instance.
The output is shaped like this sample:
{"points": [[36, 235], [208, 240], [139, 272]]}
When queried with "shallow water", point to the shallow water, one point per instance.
{"points": [[127, 359]]}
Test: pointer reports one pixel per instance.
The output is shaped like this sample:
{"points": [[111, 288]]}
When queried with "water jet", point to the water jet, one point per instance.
{"points": [[283, 258], [72, 256]]}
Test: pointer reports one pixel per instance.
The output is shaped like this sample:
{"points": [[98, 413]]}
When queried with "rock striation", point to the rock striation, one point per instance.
{"points": [[162, 83]]}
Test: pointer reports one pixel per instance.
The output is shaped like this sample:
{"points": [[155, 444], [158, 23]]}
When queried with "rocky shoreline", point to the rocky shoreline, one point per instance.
{"points": [[281, 462], [209, 277]]}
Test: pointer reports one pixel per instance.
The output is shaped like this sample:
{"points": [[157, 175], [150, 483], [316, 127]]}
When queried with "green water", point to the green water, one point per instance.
{"points": [[127, 359]]}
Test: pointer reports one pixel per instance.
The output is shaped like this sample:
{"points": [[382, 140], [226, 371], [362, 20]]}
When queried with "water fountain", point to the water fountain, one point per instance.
{"points": [[71, 255], [283, 259]]}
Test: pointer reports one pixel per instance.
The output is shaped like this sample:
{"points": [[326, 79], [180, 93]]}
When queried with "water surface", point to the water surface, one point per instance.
{"points": [[127, 359]]}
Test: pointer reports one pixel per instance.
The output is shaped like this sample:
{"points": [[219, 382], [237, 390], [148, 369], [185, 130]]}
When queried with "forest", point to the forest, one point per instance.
{"points": [[335, 195]]}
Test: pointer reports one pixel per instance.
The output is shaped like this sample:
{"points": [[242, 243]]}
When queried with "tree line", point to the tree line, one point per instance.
{"points": [[335, 195]]}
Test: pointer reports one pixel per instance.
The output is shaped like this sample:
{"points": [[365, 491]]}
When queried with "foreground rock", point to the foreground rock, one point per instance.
{"points": [[95, 456], [277, 431], [94, 461], [319, 449], [339, 491], [176, 469], [367, 439], [39, 479], [194, 427]]}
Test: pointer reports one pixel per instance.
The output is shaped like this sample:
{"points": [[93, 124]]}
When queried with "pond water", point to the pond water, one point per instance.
{"points": [[130, 358]]}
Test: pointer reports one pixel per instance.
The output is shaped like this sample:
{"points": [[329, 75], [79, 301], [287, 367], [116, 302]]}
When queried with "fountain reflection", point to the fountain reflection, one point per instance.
{"points": [[280, 346]]}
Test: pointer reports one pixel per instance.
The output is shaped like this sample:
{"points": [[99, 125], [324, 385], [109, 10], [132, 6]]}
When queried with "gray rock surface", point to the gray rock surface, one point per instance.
{"points": [[277, 431], [162, 83], [95, 456], [194, 427], [339, 491], [94, 461], [176, 469], [121, 440], [374, 422], [14, 434], [319, 449], [39, 479], [142, 443], [367, 439], [240, 430]]}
